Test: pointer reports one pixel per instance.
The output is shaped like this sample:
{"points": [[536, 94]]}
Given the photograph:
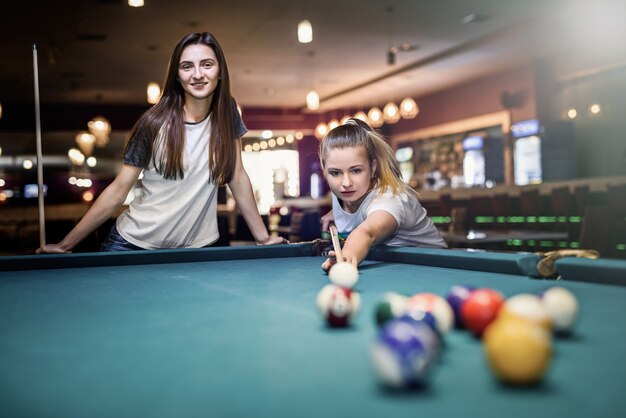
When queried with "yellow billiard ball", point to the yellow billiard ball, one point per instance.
{"points": [[517, 350]]}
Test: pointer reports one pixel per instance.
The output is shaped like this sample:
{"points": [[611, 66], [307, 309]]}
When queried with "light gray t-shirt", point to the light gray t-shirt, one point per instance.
{"points": [[179, 213], [415, 229]]}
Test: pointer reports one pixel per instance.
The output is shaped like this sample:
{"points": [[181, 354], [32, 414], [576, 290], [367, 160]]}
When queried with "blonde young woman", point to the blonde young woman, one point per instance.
{"points": [[370, 202]]}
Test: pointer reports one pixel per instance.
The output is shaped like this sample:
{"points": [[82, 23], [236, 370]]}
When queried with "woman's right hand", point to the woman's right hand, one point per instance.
{"points": [[51, 249]]}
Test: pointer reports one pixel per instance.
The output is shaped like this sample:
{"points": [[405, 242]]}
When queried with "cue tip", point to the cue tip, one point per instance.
{"points": [[34, 45]]}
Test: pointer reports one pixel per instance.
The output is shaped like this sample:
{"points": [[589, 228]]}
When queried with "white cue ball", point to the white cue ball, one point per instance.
{"points": [[562, 306], [344, 274]]}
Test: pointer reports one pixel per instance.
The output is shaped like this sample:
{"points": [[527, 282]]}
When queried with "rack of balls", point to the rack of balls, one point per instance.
{"points": [[516, 333]]}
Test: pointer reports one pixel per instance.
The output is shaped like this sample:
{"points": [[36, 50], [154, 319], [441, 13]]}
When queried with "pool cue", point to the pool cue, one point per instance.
{"points": [[42, 223], [334, 236]]}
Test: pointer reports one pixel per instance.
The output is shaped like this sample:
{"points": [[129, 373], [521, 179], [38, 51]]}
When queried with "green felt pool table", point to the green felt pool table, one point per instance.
{"points": [[234, 332]]}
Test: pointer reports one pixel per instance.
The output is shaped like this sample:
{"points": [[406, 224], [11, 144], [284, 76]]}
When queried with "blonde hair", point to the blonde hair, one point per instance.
{"points": [[356, 133]]}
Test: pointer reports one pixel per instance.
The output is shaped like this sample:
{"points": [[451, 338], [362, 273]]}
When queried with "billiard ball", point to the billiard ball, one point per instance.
{"points": [[401, 356], [527, 306], [437, 306], [419, 315], [391, 305], [480, 309], [562, 307], [344, 274], [338, 305], [456, 296], [432, 341], [518, 351]]}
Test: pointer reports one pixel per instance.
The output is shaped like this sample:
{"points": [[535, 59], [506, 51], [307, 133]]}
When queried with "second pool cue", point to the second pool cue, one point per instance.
{"points": [[42, 219]]}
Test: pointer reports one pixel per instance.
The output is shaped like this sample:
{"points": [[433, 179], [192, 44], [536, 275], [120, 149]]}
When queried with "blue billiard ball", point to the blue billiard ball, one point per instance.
{"points": [[404, 353]]}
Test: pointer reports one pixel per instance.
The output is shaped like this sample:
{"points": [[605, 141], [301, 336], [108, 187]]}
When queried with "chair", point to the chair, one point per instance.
{"points": [[561, 207], [596, 230], [480, 210], [501, 208], [581, 197], [305, 226], [530, 206], [458, 220], [616, 198]]}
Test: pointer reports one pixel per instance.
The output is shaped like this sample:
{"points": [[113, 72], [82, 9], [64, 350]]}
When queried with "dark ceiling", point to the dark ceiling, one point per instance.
{"points": [[103, 51]]}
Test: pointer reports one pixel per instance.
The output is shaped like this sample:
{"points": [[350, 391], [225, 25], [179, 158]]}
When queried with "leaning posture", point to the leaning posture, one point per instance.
{"points": [[187, 145], [371, 204]]}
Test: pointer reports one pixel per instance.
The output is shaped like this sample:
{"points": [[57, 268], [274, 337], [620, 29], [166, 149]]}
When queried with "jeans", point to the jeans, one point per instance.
{"points": [[115, 242]]}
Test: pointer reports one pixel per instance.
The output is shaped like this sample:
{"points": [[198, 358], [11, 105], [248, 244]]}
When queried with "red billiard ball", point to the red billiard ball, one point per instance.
{"points": [[338, 305], [480, 309]]}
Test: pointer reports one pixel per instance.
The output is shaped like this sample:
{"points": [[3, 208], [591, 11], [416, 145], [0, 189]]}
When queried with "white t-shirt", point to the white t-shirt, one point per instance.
{"points": [[415, 229], [179, 213]]}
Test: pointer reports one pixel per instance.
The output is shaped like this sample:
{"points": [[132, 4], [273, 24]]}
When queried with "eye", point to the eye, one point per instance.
{"points": [[208, 65], [334, 173], [356, 170], [185, 67]]}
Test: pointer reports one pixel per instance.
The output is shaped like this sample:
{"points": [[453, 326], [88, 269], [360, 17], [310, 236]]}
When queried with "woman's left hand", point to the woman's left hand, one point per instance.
{"points": [[272, 240]]}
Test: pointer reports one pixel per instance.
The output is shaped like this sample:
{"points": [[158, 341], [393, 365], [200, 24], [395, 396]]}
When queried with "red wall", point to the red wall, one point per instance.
{"points": [[476, 98]]}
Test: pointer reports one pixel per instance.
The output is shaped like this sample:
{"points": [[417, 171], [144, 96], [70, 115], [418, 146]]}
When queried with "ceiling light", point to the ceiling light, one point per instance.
{"points": [[153, 92], [572, 113], [312, 100], [594, 108], [333, 124], [135, 3], [375, 117], [86, 142], [361, 116], [75, 156], [408, 108], [391, 113], [267, 134], [321, 130], [305, 32], [475, 18], [100, 128]]}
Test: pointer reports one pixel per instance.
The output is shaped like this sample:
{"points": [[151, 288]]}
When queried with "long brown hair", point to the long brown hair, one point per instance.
{"points": [[168, 115], [356, 133]]}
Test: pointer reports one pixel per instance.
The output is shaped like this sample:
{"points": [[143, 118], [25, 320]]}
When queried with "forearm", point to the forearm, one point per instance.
{"points": [[102, 209], [357, 246]]}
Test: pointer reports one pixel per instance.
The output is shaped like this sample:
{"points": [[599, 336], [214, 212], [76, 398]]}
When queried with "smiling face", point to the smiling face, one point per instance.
{"points": [[198, 72], [349, 175]]}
